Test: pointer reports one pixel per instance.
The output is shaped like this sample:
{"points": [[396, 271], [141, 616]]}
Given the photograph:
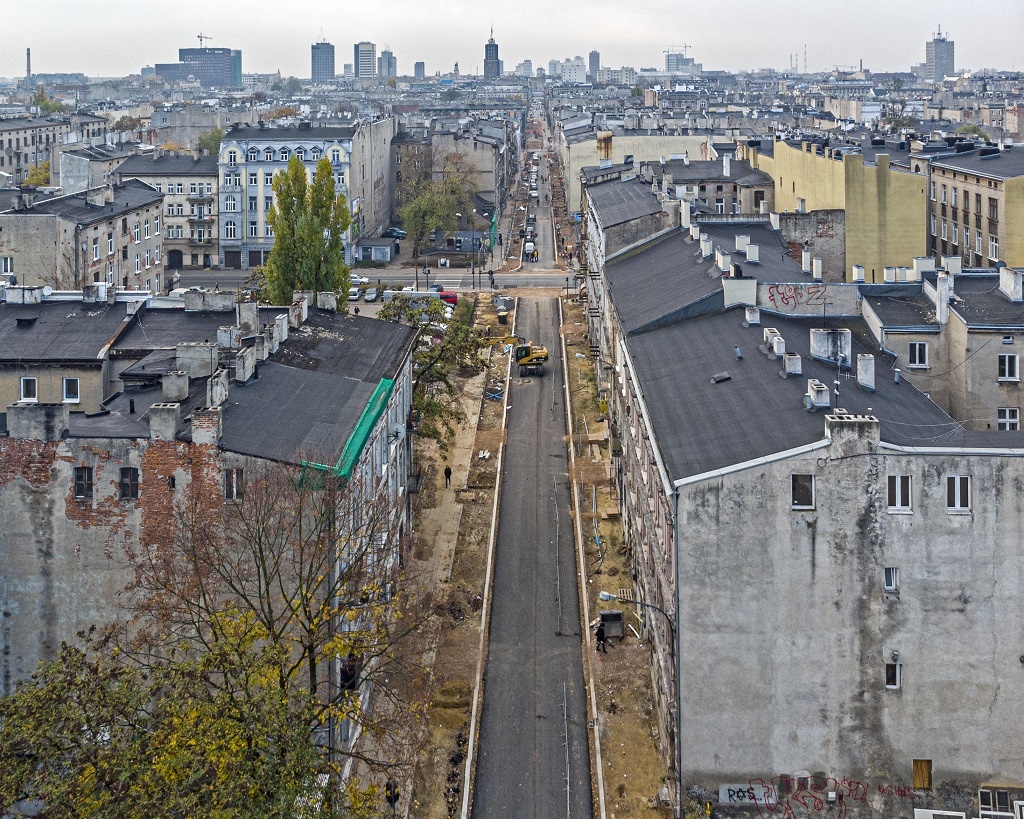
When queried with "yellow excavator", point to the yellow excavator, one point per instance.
{"points": [[530, 357]]}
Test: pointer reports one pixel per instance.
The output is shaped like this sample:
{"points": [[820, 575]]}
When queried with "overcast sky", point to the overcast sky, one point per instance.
{"points": [[118, 37]]}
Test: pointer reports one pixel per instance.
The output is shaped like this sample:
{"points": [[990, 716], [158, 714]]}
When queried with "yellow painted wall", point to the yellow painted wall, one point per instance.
{"points": [[886, 210], [1013, 222]]}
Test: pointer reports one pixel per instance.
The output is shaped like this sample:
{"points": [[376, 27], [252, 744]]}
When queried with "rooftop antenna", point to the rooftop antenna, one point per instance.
{"points": [[202, 37]]}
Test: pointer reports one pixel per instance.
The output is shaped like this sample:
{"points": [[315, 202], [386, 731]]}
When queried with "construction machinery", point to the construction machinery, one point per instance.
{"points": [[530, 357]]}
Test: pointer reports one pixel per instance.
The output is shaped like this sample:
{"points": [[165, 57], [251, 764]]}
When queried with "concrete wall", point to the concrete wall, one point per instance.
{"points": [[31, 242], [371, 177], [636, 230], [1012, 247], [50, 384], [785, 627], [825, 233]]}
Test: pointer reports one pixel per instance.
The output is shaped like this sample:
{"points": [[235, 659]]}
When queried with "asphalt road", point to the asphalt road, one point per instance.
{"points": [[534, 757]]}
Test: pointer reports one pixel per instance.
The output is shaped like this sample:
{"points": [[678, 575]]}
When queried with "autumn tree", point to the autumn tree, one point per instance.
{"points": [[455, 348], [240, 685], [39, 176], [45, 104], [309, 221], [209, 141], [284, 111], [127, 123]]}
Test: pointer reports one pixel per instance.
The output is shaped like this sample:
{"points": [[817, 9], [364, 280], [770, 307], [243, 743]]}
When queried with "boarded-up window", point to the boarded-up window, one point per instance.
{"points": [[923, 774]]}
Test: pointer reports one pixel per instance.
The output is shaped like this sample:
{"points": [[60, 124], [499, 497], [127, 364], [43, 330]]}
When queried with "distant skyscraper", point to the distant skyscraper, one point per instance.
{"points": [[365, 61], [939, 62], [420, 71], [492, 65], [211, 67], [323, 62], [387, 65], [595, 64]]}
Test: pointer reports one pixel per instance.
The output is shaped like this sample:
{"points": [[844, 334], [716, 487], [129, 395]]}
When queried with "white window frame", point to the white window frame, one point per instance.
{"points": [[917, 354], [794, 480], [77, 397], [95, 248], [138, 263], [110, 244], [32, 383], [993, 248], [991, 795], [6, 264], [898, 682], [254, 178], [254, 230], [898, 494], [891, 579], [156, 224], [1008, 368], [230, 230], [958, 490], [268, 154], [1008, 418]]}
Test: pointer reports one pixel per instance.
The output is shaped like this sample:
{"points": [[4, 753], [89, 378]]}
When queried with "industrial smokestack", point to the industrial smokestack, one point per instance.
{"points": [[28, 63]]}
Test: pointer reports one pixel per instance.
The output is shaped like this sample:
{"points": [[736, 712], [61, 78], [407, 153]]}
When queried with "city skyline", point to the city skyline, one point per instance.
{"points": [[733, 39]]}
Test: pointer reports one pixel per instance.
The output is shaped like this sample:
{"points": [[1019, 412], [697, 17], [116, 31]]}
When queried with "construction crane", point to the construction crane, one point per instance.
{"points": [[202, 37], [677, 49]]}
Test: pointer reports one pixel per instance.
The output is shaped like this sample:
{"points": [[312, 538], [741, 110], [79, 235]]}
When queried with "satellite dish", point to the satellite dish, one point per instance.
{"points": [[47, 291], [398, 431]]}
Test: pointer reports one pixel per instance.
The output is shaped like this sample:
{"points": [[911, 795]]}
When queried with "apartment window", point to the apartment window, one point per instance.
{"points": [[230, 230], [156, 224], [993, 248], [268, 202], [314, 154], [284, 154], [95, 248], [918, 353], [6, 264], [147, 257], [128, 486], [192, 188], [300, 154], [145, 229], [1008, 367], [179, 209], [137, 233], [932, 223], [209, 188], [977, 242], [944, 229], [891, 579], [252, 203], [893, 675], [958, 493], [71, 391], [268, 155], [719, 205], [138, 263], [253, 154], [253, 233], [159, 187], [977, 203], [922, 774], [179, 187], [993, 208], [29, 389], [268, 231], [931, 191], [233, 484], [954, 197], [110, 244], [1008, 418], [254, 178], [943, 200], [899, 493], [83, 482], [156, 255], [268, 177], [954, 233], [994, 801], [803, 491], [335, 156], [231, 205], [232, 157]]}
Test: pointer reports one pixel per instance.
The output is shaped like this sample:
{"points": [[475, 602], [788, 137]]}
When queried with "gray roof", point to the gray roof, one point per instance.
{"points": [[58, 331], [255, 134], [701, 425], [901, 307], [980, 302], [667, 280], [18, 123], [998, 166], [166, 328], [168, 164], [131, 195], [291, 414], [740, 172], [616, 201]]}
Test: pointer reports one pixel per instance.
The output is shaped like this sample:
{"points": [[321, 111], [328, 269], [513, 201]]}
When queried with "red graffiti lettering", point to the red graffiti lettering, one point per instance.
{"points": [[780, 798]]}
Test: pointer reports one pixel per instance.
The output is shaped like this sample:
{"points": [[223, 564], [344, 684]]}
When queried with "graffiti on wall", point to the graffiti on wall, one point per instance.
{"points": [[792, 297], [794, 797]]}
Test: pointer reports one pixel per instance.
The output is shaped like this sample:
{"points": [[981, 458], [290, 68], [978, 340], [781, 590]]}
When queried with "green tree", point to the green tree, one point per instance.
{"points": [[391, 83], [293, 86], [433, 201], [39, 176], [450, 94], [436, 393], [209, 141], [637, 92], [972, 129], [309, 222]]}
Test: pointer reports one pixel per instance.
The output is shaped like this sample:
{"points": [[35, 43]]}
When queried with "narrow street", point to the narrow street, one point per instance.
{"points": [[534, 754]]}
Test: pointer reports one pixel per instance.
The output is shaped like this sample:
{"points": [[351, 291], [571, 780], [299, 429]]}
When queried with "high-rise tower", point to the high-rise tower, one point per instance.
{"points": [[939, 62], [595, 65], [365, 61], [323, 62], [492, 65]]}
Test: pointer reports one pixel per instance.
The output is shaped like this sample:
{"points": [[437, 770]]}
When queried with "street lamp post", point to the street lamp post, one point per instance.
{"points": [[608, 596]]}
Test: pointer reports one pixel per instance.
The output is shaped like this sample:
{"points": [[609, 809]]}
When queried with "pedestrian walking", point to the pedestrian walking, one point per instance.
{"points": [[600, 639], [355, 310], [447, 476]]}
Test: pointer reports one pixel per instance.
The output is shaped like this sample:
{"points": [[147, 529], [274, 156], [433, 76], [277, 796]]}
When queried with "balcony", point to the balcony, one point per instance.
{"points": [[199, 197], [201, 220]]}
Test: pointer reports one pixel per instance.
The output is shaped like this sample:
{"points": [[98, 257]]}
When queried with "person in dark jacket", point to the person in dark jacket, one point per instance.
{"points": [[601, 639]]}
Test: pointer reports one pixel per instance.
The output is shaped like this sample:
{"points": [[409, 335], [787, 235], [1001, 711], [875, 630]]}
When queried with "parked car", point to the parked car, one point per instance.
{"points": [[372, 294], [353, 294], [393, 233], [448, 297], [436, 287], [354, 279]]}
